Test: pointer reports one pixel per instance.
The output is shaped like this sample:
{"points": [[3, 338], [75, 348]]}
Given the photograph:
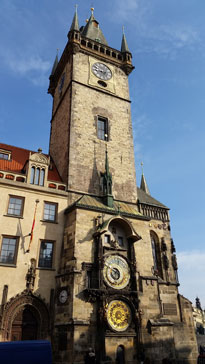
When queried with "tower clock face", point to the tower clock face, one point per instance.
{"points": [[116, 272], [118, 315], [101, 71]]}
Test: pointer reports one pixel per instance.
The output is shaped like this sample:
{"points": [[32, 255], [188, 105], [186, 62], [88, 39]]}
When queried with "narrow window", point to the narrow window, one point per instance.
{"points": [[50, 210], [37, 174], [46, 254], [15, 206], [32, 175], [8, 250], [42, 175], [154, 253], [102, 128], [156, 256]]}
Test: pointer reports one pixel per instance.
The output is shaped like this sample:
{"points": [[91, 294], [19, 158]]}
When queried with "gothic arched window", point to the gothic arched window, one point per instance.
{"points": [[156, 256]]}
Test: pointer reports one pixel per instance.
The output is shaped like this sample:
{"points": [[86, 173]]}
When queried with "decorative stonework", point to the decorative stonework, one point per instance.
{"points": [[16, 305], [39, 158]]}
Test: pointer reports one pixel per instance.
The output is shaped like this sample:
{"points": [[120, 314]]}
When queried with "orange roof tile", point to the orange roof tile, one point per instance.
{"points": [[19, 157]]}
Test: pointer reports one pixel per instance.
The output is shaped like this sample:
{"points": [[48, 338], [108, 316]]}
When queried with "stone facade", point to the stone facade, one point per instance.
{"points": [[98, 269]]}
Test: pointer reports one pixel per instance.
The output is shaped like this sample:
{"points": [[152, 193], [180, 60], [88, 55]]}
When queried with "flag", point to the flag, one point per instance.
{"points": [[32, 228]]}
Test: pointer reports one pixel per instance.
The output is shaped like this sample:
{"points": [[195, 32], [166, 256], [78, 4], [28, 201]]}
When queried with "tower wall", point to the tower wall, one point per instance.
{"points": [[74, 145]]}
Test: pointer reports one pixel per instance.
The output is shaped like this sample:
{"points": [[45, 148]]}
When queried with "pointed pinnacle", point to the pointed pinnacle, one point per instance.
{"points": [[75, 23], [143, 185], [55, 63], [124, 45]]}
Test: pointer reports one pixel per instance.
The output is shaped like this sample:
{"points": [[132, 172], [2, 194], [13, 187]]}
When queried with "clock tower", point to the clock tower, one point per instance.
{"points": [[91, 113], [116, 285]]}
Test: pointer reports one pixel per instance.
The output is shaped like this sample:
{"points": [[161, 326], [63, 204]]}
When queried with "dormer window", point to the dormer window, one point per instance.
{"points": [[38, 168], [37, 176], [5, 155]]}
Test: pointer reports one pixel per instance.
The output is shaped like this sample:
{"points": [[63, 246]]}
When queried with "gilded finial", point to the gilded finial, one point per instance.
{"points": [[92, 9], [87, 20]]}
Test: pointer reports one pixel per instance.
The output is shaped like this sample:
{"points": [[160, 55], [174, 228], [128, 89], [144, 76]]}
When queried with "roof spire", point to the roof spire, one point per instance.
{"points": [[75, 23], [143, 185], [92, 30], [124, 45]]}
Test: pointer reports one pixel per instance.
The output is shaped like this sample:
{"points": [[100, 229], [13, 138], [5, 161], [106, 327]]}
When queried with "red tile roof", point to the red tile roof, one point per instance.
{"points": [[19, 157]]}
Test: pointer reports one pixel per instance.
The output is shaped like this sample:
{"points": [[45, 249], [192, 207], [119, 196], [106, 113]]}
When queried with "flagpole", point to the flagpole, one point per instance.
{"points": [[32, 227]]}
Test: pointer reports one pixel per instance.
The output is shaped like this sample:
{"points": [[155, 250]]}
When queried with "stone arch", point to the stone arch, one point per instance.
{"points": [[120, 354], [126, 226], [17, 304]]}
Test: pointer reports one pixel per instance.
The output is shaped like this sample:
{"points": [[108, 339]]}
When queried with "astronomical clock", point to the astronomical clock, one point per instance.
{"points": [[113, 281]]}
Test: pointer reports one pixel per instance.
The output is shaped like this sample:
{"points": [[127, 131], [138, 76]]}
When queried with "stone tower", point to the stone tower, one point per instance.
{"points": [[117, 284], [91, 112]]}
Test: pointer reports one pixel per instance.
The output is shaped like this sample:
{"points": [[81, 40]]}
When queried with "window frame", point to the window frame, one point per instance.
{"points": [[101, 131], [22, 198], [15, 252], [37, 176], [39, 254], [156, 255], [6, 153], [56, 211]]}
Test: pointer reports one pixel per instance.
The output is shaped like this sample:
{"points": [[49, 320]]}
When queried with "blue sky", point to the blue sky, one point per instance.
{"points": [[167, 88]]}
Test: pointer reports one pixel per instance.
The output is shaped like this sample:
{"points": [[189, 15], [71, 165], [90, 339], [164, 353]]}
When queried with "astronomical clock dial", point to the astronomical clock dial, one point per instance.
{"points": [[101, 71], [118, 315], [116, 272]]}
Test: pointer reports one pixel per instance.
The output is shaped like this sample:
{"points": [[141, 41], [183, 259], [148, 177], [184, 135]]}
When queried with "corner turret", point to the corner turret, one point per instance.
{"points": [[124, 45], [143, 185]]}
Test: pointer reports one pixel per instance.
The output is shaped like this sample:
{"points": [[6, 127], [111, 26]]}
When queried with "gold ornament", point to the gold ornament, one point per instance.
{"points": [[118, 315]]}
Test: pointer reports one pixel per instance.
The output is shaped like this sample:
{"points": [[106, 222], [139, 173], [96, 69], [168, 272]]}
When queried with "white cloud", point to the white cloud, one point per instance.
{"points": [[151, 34], [33, 67], [191, 274], [23, 48], [131, 12], [33, 63]]}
